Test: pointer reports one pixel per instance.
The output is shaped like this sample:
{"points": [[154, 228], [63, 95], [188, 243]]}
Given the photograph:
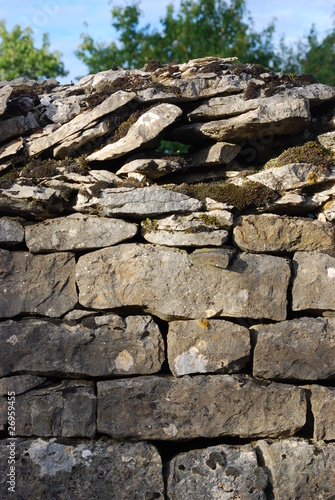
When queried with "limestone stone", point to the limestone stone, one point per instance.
{"points": [[5, 93], [328, 140], [166, 283], [217, 257], [136, 202], [217, 154], [129, 346], [323, 408], [76, 141], [207, 346], [18, 125], [223, 107], [11, 149], [62, 110], [274, 116], [77, 232], [170, 408], [329, 211], [274, 233], [299, 469], [314, 282], [80, 122], [20, 384], [222, 471], [49, 278], [11, 232], [196, 230], [147, 128], [152, 168], [25, 200], [85, 469], [304, 349], [66, 409]]}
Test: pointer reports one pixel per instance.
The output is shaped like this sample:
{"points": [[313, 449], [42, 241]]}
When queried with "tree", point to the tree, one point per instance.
{"points": [[200, 28], [19, 57], [319, 57]]}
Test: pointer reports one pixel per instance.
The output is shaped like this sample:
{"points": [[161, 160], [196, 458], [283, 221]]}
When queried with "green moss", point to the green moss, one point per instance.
{"points": [[211, 220], [312, 153], [149, 225]]}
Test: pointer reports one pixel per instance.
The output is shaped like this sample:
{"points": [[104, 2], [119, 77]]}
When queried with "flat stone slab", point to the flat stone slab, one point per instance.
{"points": [[323, 408], [83, 469], [275, 233], [314, 282], [165, 282], [17, 126], [11, 232], [299, 469], [77, 232], [169, 408], [49, 278], [129, 346], [304, 349], [152, 168], [227, 472], [207, 346]]}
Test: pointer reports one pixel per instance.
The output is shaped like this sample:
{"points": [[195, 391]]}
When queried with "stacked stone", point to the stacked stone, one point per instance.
{"points": [[140, 306]]}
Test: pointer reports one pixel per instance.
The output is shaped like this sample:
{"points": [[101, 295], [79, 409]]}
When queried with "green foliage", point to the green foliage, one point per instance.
{"points": [[319, 57], [19, 57]]}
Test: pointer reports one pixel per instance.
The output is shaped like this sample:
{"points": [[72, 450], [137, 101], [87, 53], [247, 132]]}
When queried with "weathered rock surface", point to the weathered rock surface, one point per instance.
{"points": [[304, 349], [203, 346], [66, 409], [323, 408], [196, 230], [11, 232], [166, 283], [152, 168], [228, 472], [127, 346], [136, 202], [217, 154], [18, 125], [77, 140], [5, 93], [77, 232], [274, 233], [89, 470], [314, 282], [51, 281], [26, 200], [164, 408], [217, 257], [299, 469], [20, 384], [328, 140], [147, 128]]}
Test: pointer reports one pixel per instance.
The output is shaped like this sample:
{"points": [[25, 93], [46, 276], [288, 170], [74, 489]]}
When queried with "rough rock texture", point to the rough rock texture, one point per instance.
{"points": [[165, 282], [119, 347], [299, 469], [304, 347], [51, 281], [152, 168], [273, 233], [323, 408], [77, 232], [205, 346], [89, 470], [164, 408], [314, 282], [11, 232], [20, 383], [228, 472]]}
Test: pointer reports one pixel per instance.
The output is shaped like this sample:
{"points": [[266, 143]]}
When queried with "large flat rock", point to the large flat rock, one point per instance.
{"points": [[304, 349], [323, 408], [314, 282], [169, 408], [222, 472], [11, 232], [50, 280], [127, 346], [165, 282], [89, 470], [207, 346]]}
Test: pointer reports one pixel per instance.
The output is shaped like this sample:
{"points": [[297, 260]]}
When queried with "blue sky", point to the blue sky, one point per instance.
{"points": [[64, 20]]}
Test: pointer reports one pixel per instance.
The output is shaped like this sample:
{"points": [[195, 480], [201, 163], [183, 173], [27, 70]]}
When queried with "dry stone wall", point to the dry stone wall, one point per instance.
{"points": [[168, 317]]}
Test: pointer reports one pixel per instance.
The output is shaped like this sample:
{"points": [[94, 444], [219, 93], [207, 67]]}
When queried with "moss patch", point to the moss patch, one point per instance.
{"points": [[312, 153], [149, 225]]}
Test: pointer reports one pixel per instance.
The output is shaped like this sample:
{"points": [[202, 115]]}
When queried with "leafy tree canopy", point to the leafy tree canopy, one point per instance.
{"points": [[19, 57]]}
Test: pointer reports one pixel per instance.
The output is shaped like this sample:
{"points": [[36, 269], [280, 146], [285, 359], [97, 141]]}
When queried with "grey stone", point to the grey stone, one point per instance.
{"points": [[11, 149], [76, 141], [147, 128], [20, 384], [314, 282], [66, 409], [89, 470], [328, 140], [18, 125], [77, 232], [5, 93], [196, 230], [217, 154], [299, 469], [323, 408], [223, 107], [136, 202], [169, 408], [217, 257], [49, 278], [220, 472], [304, 349], [152, 168], [121, 347], [62, 110], [329, 211], [275, 233], [207, 346], [166, 283], [11, 232]]}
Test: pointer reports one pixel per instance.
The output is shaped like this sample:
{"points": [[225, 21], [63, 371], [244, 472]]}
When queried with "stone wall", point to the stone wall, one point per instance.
{"points": [[167, 318]]}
